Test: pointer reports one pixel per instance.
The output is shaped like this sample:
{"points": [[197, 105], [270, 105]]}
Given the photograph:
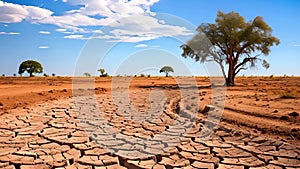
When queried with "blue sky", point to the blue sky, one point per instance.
{"points": [[131, 37]]}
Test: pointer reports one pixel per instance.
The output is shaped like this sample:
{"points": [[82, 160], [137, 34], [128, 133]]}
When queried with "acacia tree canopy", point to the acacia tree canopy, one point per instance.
{"points": [[166, 70], [30, 66], [231, 40]]}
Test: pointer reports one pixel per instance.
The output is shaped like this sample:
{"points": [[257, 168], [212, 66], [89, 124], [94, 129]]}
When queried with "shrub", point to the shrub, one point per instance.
{"points": [[15, 75], [3, 75], [149, 76], [53, 74], [105, 75], [142, 75], [46, 75]]}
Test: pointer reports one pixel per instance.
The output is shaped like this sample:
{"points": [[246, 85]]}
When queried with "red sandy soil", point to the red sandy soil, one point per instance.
{"points": [[254, 105]]}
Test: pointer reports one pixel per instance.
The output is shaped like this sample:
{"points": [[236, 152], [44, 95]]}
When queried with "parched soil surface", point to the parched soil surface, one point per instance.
{"points": [[151, 124]]}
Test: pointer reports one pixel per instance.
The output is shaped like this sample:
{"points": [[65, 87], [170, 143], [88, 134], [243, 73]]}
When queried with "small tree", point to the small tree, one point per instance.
{"points": [[102, 73], [53, 74], [166, 70], [15, 75], [231, 41], [86, 74], [30, 66]]}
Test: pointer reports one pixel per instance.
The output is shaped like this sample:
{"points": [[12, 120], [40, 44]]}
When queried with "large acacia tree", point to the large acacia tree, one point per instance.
{"points": [[231, 40], [30, 66]]}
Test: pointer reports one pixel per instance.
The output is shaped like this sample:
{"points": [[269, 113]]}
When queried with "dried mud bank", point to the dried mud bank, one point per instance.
{"points": [[88, 132]]}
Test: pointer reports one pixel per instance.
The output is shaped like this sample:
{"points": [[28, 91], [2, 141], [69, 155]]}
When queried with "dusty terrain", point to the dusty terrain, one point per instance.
{"points": [[43, 126]]}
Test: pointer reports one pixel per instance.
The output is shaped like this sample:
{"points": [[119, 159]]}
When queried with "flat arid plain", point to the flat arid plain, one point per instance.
{"points": [[43, 126]]}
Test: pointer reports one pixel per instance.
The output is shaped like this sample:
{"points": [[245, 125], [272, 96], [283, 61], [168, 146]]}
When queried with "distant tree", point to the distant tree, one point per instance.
{"points": [[3, 75], [142, 75], [46, 75], [15, 75], [30, 66], [166, 70], [87, 74], [102, 73], [233, 42], [53, 74]]}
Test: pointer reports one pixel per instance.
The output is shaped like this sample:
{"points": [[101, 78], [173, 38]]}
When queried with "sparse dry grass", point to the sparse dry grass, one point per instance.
{"points": [[288, 94]]}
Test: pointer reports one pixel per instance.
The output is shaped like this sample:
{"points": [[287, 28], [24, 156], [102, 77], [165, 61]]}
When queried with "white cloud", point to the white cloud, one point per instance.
{"points": [[162, 21], [65, 31], [113, 8], [9, 33], [74, 21], [68, 32], [97, 31], [43, 47], [13, 13], [5, 25], [139, 28], [74, 37], [117, 38], [129, 21], [141, 46], [141, 24], [10, 13], [110, 11], [36, 13], [44, 32], [61, 30], [296, 45]]}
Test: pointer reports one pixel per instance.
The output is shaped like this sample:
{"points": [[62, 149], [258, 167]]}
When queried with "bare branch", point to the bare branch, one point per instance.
{"points": [[247, 59], [242, 68]]}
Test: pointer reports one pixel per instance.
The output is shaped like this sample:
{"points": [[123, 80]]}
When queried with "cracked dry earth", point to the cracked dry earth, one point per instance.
{"points": [[94, 132]]}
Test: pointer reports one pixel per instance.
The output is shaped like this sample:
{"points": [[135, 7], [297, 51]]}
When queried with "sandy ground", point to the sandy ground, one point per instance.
{"points": [[256, 109]]}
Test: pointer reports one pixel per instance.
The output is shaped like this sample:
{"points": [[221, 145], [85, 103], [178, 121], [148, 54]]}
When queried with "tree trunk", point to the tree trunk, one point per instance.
{"points": [[30, 74], [231, 75], [167, 74], [223, 72]]}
